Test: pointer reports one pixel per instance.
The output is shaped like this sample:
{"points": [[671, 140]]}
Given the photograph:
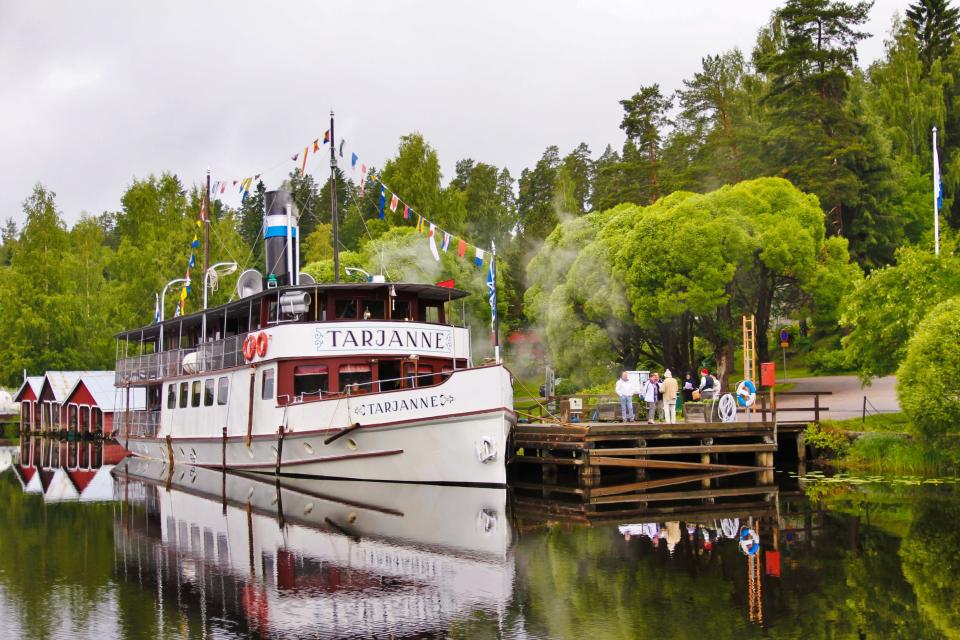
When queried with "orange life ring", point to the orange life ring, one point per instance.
{"points": [[262, 344], [249, 347]]}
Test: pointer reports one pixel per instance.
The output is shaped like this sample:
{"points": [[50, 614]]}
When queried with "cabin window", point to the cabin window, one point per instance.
{"points": [[84, 419], [184, 394], [346, 309], [401, 310], [310, 380], [431, 313], [97, 422], [171, 396], [72, 416], [373, 310], [355, 378], [266, 389], [223, 390], [445, 373], [389, 375], [195, 395], [418, 375], [208, 392]]}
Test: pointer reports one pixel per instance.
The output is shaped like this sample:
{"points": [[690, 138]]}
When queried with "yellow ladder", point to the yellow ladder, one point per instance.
{"points": [[749, 350]]}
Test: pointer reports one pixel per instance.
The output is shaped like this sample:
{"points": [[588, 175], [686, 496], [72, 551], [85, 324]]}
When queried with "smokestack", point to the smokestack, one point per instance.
{"points": [[281, 244]]}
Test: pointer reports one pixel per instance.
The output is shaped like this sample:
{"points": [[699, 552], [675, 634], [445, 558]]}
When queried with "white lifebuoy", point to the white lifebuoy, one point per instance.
{"points": [[749, 542], [746, 393], [727, 408]]}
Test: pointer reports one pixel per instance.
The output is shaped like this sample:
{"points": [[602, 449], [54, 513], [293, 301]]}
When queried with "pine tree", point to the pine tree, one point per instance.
{"points": [[935, 23]]}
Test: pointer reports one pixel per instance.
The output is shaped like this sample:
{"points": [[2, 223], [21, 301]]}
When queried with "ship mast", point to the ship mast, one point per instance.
{"points": [[333, 204]]}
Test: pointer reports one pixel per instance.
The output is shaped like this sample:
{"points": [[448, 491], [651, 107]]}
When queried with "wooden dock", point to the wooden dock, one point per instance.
{"points": [[746, 445], [705, 448]]}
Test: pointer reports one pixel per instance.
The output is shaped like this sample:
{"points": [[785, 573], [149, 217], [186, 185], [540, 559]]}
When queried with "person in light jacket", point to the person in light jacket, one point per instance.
{"points": [[625, 391], [669, 388], [651, 395]]}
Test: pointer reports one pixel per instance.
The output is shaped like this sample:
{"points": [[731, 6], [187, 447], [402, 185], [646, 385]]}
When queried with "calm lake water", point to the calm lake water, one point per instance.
{"points": [[139, 550]]}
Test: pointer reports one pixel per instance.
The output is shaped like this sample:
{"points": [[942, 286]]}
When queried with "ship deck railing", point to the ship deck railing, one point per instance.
{"points": [[211, 356], [137, 424]]}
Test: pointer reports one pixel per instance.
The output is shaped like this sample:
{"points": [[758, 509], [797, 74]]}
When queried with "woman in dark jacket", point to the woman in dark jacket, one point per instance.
{"points": [[689, 384]]}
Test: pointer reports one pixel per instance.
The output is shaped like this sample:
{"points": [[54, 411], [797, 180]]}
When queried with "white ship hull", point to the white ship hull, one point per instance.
{"points": [[453, 432]]}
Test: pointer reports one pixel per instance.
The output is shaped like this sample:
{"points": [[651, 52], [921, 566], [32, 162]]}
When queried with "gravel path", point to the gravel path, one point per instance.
{"points": [[846, 400]]}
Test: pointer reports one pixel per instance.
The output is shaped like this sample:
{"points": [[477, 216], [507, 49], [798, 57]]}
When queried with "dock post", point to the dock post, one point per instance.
{"points": [[801, 448], [588, 474], [706, 458], [641, 472]]}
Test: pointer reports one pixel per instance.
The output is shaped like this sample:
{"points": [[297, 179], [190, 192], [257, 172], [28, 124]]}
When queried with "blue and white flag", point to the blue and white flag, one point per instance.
{"points": [[937, 179], [156, 307], [492, 293], [383, 200], [478, 260]]}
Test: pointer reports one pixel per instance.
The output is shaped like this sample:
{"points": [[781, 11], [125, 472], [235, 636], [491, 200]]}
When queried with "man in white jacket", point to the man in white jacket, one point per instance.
{"points": [[625, 391]]}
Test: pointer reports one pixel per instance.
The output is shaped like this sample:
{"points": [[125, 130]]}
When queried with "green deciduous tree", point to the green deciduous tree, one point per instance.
{"points": [[886, 308], [927, 387]]}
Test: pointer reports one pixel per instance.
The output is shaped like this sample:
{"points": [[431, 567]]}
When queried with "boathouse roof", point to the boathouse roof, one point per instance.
{"points": [[33, 383], [100, 384]]}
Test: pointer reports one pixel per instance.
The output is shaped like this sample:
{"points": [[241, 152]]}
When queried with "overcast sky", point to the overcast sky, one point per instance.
{"points": [[95, 94]]}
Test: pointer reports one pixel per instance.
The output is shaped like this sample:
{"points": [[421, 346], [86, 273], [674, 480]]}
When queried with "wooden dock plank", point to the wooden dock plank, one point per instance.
{"points": [[655, 484], [600, 461], [687, 449], [663, 496]]}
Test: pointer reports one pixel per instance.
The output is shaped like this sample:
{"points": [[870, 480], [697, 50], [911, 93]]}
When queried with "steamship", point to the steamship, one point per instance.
{"points": [[368, 380]]}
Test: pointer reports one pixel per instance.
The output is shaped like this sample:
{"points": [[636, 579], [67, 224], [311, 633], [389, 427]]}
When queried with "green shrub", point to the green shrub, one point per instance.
{"points": [[828, 362], [823, 436], [928, 380]]}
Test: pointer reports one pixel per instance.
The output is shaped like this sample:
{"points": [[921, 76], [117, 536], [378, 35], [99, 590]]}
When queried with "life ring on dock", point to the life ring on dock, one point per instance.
{"points": [[749, 542], [746, 393], [249, 347], [262, 344]]}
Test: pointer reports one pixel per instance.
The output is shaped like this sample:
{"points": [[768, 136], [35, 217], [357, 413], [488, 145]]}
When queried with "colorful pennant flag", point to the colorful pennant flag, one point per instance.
{"points": [[293, 157], [461, 248], [383, 201], [406, 212], [326, 136], [478, 259], [303, 166], [316, 145], [449, 284], [353, 161], [394, 202], [195, 242], [341, 146], [156, 307], [193, 260], [433, 242], [446, 242]]}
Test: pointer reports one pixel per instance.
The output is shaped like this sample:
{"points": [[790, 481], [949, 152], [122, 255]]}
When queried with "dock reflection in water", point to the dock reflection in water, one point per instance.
{"points": [[302, 558]]}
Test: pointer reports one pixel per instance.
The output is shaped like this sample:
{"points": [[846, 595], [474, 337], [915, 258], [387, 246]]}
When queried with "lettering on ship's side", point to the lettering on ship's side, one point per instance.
{"points": [[370, 409], [383, 339]]}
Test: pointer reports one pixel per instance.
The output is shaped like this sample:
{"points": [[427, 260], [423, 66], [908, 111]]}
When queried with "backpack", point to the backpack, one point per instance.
{"points": [[709, 382]]}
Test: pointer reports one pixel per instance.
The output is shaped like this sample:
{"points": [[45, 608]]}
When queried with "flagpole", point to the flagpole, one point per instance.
{"points": [[333, 204], [206, 239], [936, 196], [496, 316]]}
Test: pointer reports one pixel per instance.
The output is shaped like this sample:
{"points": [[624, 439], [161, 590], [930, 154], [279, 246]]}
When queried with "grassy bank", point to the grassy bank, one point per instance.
{"points": [[883, 444]]}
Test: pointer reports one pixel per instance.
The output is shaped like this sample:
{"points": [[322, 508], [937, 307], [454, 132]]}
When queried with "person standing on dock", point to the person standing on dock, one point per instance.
{"points": [[669, 390], [651, 394], [708, 385], [625, 391]]}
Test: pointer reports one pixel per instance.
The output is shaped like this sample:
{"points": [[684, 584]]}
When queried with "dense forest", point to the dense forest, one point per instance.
{"points": [[787, 181]]}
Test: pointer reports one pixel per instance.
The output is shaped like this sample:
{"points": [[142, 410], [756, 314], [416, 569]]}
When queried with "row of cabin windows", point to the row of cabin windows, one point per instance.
{"points": [[314, 380], [191, 392]]}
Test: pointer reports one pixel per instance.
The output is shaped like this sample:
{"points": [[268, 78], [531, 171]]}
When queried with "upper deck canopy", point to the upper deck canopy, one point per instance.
{"points": [[425, 292]]}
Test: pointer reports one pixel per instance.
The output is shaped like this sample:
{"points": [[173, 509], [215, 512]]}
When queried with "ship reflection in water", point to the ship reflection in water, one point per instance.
{"points": [[308, 558]]}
